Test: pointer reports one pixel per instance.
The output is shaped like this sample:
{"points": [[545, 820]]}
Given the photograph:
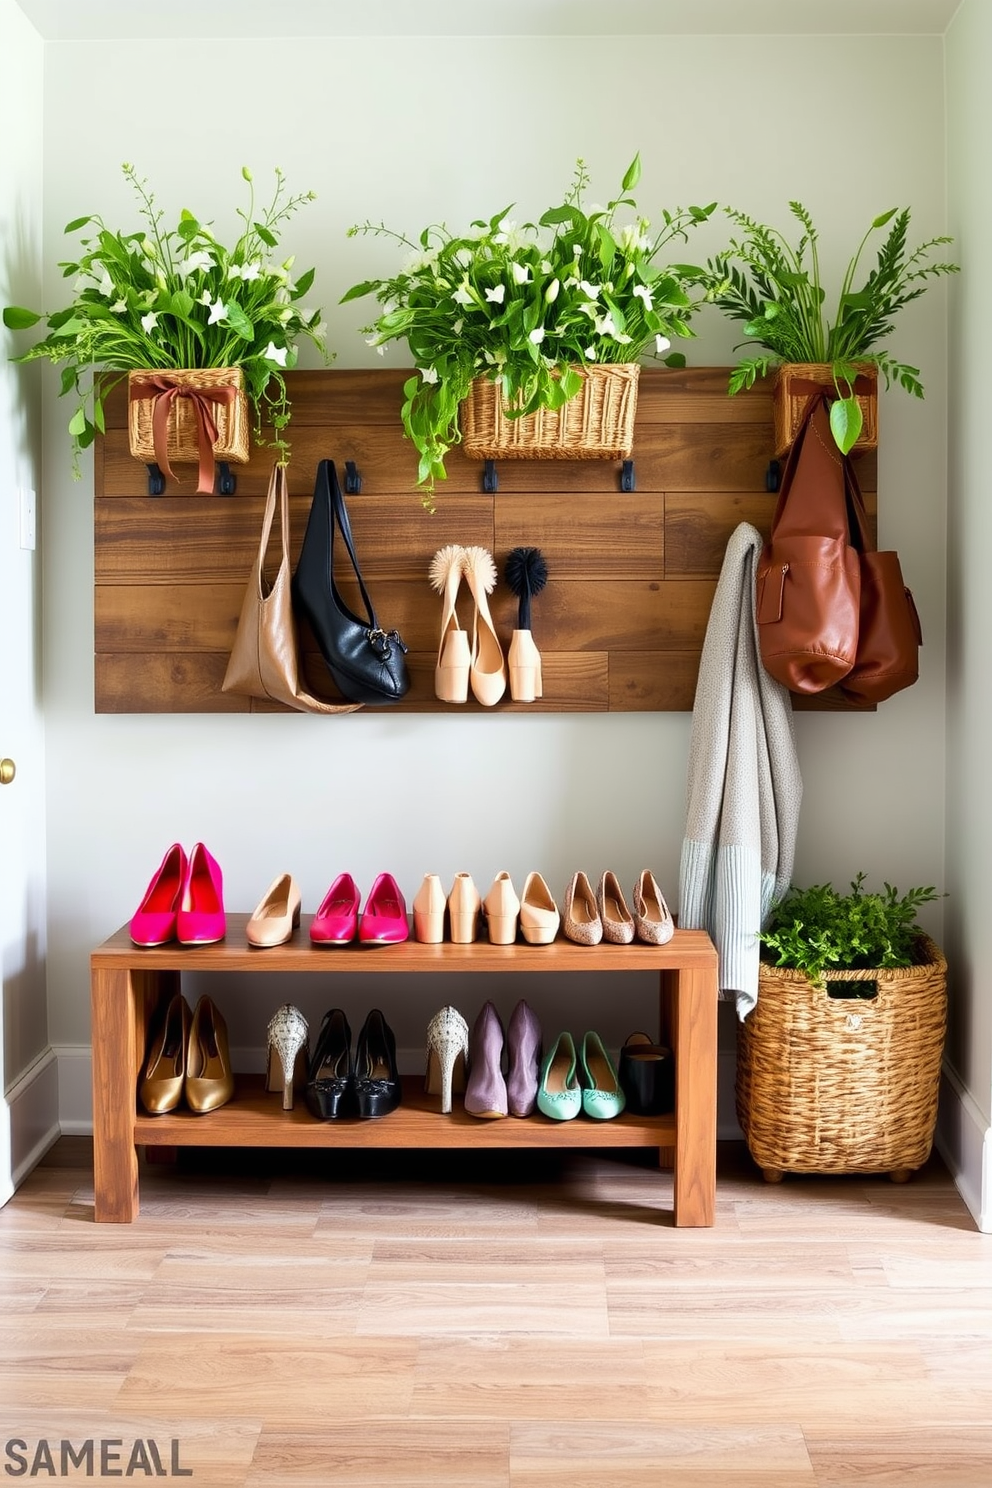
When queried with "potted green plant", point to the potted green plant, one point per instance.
{"points": [[774, 287], [528, 311], [838, 1062], [157, 300]]}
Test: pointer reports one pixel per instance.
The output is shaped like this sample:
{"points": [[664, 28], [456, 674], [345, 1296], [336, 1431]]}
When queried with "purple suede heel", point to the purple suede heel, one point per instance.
{"points": [[485, 1089], [523, 1043]]}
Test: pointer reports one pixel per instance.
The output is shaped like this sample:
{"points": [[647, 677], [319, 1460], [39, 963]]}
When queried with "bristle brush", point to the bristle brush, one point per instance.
{"points": [[526, 574]]}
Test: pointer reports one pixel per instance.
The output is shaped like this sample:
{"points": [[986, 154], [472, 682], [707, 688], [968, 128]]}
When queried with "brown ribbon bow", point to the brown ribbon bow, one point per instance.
{"points": [[165, 393]]}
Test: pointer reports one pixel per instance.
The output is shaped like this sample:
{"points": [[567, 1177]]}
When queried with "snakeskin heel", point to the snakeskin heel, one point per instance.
{"points": [[289, 1052], [447, 1053]]}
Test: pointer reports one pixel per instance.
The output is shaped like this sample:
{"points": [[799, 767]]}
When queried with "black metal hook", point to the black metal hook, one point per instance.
{"points": [[628, 476], [156, 480], [227, 481], [490, 479], [352, 478], [773, 476]]}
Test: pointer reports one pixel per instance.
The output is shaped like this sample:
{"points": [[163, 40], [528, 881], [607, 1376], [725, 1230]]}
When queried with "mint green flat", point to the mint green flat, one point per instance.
{"points": [[559, 1094], [602, 1098]]}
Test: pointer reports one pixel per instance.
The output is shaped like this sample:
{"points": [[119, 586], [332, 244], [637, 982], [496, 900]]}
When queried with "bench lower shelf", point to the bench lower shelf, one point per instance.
{"points": [[255, 1118]]}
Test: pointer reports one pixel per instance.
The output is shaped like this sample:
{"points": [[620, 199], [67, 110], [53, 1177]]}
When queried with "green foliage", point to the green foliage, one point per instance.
{"points": [[173, 298], [774, 288], [525, 305], [817, 929]]}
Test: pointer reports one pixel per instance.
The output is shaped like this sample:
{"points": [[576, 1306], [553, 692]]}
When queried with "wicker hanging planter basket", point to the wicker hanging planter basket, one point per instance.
{"points": [[843, 1078], [597, 424], [792, 390], [196, 414]]}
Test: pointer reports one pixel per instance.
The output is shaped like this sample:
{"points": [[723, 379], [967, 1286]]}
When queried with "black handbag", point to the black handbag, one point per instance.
{"points": [[367, 663]]}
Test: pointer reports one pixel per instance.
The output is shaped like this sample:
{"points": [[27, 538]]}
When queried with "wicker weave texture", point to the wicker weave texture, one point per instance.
{"points": [[182, 441], [843, 1085], [597, 424], [788, 405]]}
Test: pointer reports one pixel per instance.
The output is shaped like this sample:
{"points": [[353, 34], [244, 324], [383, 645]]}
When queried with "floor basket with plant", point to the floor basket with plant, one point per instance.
{"points": [[838, 1064]]}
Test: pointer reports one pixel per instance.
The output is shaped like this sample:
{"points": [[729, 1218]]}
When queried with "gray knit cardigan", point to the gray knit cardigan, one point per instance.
{"points": [[744, 786]]}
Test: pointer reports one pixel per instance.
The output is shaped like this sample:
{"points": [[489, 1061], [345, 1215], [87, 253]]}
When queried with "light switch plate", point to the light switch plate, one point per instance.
{"points": [[28, 522]]}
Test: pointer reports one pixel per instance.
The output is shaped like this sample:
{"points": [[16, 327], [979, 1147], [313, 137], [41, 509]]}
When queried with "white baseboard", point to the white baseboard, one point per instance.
{"points": [[32, 1120], [964, 1141]]}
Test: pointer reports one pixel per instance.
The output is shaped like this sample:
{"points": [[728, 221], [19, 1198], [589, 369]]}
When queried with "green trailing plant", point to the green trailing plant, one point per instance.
{"points": [[817, 929], [526, 305], [159, 297], [775, 289]]}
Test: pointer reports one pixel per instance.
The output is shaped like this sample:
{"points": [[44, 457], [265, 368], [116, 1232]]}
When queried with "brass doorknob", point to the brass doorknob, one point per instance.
{"points": [[7, 771]]}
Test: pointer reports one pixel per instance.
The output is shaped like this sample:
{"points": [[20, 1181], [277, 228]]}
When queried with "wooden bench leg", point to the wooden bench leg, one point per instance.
{"points": [[115, 1061], [693, 1004]]}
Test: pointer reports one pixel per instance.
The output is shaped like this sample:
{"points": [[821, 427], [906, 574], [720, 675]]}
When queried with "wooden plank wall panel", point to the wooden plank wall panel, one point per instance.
{"points": [[620, 625]]}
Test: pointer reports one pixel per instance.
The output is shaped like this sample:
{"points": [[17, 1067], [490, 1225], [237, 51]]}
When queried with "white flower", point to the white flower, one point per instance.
{"points": [[217, 312], [496, 295], [234, 271], [571, 282], [251, 271], [119, 306], [106, 285], [504, 231], [418, 261], [520, 272], [196, 261], [206, 298], [457, 327], [576, 250], [537, 336], [463, 257], [631, 239], [274, 353], [545, 266], [551, 293], [429, 374], [591, 353], [371, 340], [661, 343], [461, 295], [623, 339], [605, 326], [589, 309], [149, 322], [592, 290]]}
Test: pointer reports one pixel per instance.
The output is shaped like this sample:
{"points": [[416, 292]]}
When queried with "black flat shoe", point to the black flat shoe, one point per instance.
{"points": [[377, 1081], [330, 1078]]}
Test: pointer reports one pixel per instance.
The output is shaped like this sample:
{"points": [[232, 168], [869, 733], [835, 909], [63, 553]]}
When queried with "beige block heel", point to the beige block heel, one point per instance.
{"points": [[524, 663], [464, 903], [539, 917], [502, 909], [428, 911]]}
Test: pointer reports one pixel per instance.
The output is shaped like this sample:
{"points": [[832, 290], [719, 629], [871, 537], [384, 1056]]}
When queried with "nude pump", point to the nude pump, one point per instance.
{"points": [[487, 671], [451, 673], [464, 903], [526, 574]]}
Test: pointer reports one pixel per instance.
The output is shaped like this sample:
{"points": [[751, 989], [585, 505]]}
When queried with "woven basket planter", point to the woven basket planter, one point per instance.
{"points": [[792, 390], [830, 1082], [183, 433], [597, 424]]}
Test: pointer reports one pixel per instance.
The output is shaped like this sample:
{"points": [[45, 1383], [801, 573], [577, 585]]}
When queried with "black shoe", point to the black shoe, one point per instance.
{"points": [[377, 1081], [331, 1076], [647, 1076]]}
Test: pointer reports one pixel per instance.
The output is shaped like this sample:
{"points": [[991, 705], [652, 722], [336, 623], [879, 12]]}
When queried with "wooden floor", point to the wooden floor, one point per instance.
{"points": [[501, 1318]]}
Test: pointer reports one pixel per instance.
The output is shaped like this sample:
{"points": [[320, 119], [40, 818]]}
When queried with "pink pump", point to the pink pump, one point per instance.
{"points": [[384, 920], [200, 919], [154, 921], [336, 921]]}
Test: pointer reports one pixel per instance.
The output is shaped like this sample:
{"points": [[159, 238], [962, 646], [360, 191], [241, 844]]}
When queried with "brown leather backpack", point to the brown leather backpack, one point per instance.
{"points": [[830, 608], [809, 574]]}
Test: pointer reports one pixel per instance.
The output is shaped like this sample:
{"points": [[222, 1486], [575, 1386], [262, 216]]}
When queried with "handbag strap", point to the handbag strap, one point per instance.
{"points": [[811, 498], [857, 515], [277, 491], [327, 475]]}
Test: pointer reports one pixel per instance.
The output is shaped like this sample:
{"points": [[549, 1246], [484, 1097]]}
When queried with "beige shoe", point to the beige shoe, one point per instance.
{"points": [[539, 917], [487, 672], [524, 661], [453, 653], [652, 917], [273, 920], [502, 909], [618, 923], [428, 911], [464, 904], [580, 917]]}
